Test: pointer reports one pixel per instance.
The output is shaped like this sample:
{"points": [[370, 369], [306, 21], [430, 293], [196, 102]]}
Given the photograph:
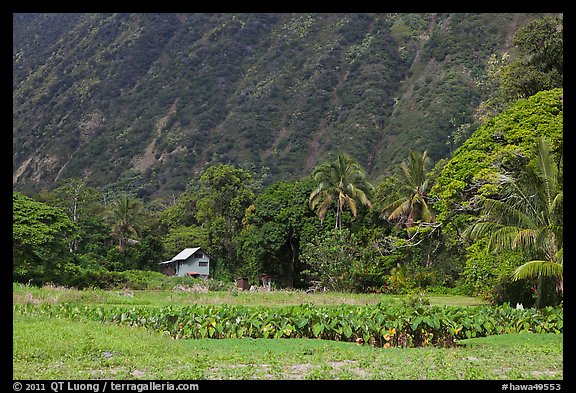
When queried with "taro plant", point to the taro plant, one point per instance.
{"points": [[379, 325]]}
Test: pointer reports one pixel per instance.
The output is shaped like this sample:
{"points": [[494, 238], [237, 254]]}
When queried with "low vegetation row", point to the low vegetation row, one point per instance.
{"points": [[380, 325], [139, 280]]}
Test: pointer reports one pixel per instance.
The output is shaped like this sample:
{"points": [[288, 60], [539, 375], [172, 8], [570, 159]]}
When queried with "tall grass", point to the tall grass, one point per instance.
{"points": [[183, 295]]}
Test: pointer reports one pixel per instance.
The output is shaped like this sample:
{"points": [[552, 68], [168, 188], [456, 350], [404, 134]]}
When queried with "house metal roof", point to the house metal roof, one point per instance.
{"points": [[183, 255]]}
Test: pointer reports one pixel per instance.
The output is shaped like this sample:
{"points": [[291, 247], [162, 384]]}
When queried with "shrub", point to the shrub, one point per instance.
{"points": [[333, 260], [524, 292], [138, 280], [91, 278], [486, 271], [409, 325]]}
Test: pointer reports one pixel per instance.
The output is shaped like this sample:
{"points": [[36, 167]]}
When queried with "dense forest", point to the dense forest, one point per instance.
{"points": [[362, 153]]}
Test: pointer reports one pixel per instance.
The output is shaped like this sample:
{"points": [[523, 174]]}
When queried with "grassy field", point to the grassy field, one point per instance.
{"points": [[52, 295], [53, 348], [62, 349]]}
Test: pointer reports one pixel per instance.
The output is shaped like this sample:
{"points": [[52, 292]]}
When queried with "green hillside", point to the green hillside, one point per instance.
{"points": [[144, 102]]}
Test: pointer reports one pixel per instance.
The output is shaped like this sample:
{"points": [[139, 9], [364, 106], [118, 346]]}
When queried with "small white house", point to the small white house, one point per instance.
{"points": [[189, 262]]}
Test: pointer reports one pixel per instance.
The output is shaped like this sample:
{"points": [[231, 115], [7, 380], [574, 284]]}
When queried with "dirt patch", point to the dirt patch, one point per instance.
{"points": [[148, 158], [137, 373], [545, 373], [290, 372]]}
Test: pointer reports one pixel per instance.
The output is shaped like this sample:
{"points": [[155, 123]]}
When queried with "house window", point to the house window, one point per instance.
{"points": [[202, 264], [198, 255]]}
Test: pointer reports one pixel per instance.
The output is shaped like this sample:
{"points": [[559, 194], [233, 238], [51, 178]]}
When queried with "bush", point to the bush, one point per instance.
{"points": [[486, 271], [370, 280], [333, 260], [524, 292], [90, 278], [139, 279], [416, 300], [513, 292], [135, 279]]}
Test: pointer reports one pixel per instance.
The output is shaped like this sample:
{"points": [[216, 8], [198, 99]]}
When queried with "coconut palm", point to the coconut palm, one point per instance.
{"points": [[342, 181], [125, 217], [409, 202], [528, 216]]}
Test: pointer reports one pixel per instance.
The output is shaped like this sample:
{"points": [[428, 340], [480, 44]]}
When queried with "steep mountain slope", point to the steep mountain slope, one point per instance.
{"points": [[143, 102]]}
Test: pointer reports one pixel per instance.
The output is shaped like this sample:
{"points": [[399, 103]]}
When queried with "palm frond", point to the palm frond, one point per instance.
{"points": [[400, 211], [342, 180], [536, 268], [360, 193], [315, 196], [426, 212], [556, 207], [481, 229], [508, 213], [547, 170], [526, 238], [503, 237], [352, 204], [324, 205], [560, 255]]}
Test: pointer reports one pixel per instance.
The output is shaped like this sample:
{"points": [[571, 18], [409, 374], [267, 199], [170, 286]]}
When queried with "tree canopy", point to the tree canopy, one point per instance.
{"points": [[505, 142], [343, 182], [536, 63], [40, 237], [527, 214], [408, 202]]}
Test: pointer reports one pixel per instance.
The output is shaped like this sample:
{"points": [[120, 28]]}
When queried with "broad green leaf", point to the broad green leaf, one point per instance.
{"points": [[347, 331], [317, 329]]}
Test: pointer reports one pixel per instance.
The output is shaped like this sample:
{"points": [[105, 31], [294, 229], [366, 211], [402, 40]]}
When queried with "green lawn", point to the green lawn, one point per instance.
{"points": [[52, 348]]}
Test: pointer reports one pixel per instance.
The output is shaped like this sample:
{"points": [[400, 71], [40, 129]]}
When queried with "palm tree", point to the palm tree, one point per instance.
{"points": [[125, 217], [528, 216], [409, 202], [342, 181]]}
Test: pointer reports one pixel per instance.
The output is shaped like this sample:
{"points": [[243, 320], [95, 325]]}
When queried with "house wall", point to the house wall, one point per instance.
{"points": [[192, 265], [169, 270]]}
